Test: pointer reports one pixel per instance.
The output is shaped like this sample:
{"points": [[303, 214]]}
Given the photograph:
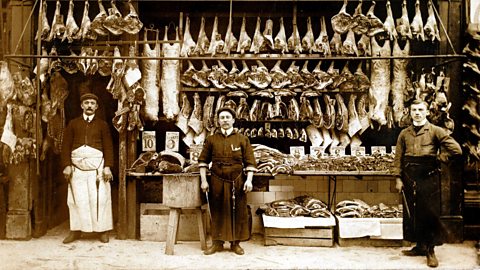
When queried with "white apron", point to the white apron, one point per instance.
{"points": [[89, 198]]}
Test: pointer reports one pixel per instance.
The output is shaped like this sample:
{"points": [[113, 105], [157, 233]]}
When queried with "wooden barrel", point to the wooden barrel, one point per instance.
{"points": [[181, 190]]}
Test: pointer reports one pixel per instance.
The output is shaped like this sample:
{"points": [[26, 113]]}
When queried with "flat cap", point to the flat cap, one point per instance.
{"points": [[227, 109], [88, 96]]}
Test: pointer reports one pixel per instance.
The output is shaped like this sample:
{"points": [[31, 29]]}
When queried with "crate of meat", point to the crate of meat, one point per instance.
{"points": [[299, 231]]}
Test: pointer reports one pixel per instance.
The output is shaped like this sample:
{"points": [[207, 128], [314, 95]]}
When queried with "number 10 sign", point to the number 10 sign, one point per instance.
{"points": [[149, 141]]}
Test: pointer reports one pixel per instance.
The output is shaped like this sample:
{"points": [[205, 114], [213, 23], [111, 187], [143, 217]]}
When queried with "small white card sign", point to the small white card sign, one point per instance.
{"points": [[338, 151], [172, 140], [379, 150], [195, 150], [393, 150], [317, 151], [358, 151], [149, 141], [297, 151]]}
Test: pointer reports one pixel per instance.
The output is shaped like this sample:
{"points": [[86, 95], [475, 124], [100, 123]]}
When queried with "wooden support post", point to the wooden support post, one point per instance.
{"points": [[172, 230], [201, 229], [122, 187], [133, 218]]}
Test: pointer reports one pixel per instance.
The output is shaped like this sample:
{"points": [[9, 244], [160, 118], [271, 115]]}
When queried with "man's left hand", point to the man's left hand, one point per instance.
{"points": [[247, 187], [107, 174]]}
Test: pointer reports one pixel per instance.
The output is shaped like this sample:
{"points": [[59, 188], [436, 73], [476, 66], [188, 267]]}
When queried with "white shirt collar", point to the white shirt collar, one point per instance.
{"points": [[88, 118], [227, 132], [417, 124]]}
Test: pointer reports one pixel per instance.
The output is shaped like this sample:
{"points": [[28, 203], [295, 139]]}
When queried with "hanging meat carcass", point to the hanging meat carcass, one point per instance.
{"points": [[336, 44], [93, 67], [187, 77], [310, 80], [259, 76], [280, 40], [327, 137], [218, 75], [293, 74], [58, 27], [293, 110], [294, 42], [417, 23], [389, 24], [170, 83], [376, 25], [131, 22], [329, 115], [349, 46], [151, 80], [323, 78], [322, 45], [431, 28], [363, 81], [243, 110], [255, 110], [317, 119], [201, 76], [97, 23], [354, 124], [363, 46], [6, 84], [231, 41], [202, 41], [268, 35], [116, 86], [335, 75], [232, 75], [350, 83], [279, 77], [44, 66], [360, 23], [71, 26], [86, 32], [184, 114], [114, 21], [208, 111], [380, 82], [45, 27], [308, 41], [196, 118], [244, 41], [258, 39], [341, 117], [242, 79], [105, 64], [28, 93], [219, 105], [403, 23], [216, 42], [399, 81], [362, 112], [342, 22], [306, 110]]}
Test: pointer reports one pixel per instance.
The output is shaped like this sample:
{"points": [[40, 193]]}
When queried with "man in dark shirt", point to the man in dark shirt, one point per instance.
{"points": [[418, 176], [229, 152], [87, 156]]}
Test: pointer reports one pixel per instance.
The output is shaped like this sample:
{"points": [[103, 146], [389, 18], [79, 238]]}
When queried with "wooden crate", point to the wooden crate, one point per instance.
{"points": [[389, 229], [306, 237], [370, 242], [299, 231], [154, 223]]}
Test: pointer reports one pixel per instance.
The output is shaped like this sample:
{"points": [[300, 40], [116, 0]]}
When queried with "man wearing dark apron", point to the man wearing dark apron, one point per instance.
{"points": [[418, 178], [230, 154]]}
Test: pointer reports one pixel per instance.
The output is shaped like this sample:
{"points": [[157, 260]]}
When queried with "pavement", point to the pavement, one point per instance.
{"points": [[48, 252]]}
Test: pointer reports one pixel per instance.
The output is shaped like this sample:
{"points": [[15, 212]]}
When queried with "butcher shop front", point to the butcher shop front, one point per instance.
{"points": [[320, 88]]}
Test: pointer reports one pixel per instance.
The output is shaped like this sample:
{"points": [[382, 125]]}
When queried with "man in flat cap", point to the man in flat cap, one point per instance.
{"points": [[230, 154], [87, 156]]}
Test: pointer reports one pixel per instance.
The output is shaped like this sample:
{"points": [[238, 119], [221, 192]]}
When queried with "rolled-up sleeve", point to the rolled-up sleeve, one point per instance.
{"points": [[399, 152], [206, 155], [249, 161]]}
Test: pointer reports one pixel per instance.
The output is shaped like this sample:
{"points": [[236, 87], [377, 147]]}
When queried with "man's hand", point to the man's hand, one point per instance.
{"points": [[107, 174], [67, 173], [399, 184], [247, 187], [204, 186], [443, 157]]}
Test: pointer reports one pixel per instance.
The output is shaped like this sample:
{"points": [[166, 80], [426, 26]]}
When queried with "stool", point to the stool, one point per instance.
{"points": [[172, 228]]}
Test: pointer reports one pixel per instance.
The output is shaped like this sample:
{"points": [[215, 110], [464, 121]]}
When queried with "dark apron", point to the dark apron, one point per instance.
{"points": [[225, 176], [421, 182]]}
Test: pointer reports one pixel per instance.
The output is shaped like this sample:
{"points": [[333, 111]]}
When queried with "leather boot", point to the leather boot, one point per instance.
{"points": [[235, 247], [216, 246], [418, 250], [72, 236], [431, 258], [104, 237]]}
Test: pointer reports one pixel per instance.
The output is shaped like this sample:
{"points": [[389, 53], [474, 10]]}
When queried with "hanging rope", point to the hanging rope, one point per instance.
{"points": [[444, 29]]}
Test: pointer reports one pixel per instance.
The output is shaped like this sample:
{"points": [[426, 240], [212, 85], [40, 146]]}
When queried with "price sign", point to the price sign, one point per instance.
{"points": [[297, 151], [358, 151], [338, 151], [195, 150], [149, 140], [379, 150], [172, 139], [317, 151]]}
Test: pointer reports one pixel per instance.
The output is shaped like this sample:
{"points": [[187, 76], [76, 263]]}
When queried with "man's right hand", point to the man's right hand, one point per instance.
{"points": [[399, 184], [204, 186], [67, 173]]}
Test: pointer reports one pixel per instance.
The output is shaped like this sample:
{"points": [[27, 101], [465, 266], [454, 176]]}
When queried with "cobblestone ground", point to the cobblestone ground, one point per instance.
{"points": [[48, 252]]}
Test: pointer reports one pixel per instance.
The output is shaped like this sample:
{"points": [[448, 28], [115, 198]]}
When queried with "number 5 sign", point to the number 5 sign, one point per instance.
{"points": [[149, 141]]}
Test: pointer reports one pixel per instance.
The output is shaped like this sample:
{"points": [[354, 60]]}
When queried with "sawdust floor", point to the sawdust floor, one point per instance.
{"points": [[48, 252]]}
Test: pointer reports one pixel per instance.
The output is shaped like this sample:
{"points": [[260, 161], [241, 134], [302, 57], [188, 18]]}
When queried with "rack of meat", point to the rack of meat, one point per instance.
{"points": [[299, 206], [357, 208]]}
